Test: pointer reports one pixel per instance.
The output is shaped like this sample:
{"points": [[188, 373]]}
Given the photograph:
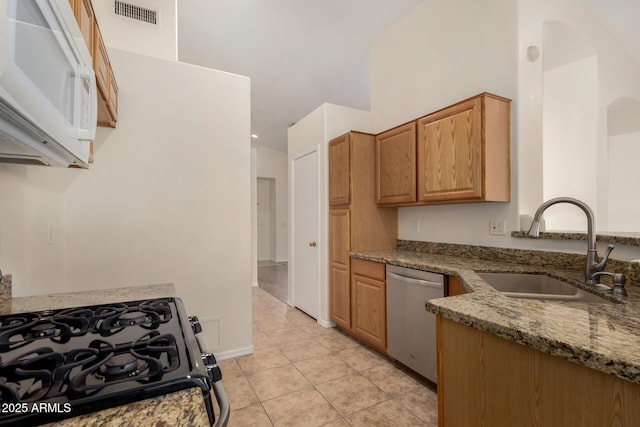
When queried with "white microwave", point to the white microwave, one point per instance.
{"points": [[48, 98]]}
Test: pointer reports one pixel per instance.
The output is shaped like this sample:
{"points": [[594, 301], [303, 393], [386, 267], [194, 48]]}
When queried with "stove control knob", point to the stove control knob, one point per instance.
{"points": [[209, 359], [195, 324], [211, 365]]}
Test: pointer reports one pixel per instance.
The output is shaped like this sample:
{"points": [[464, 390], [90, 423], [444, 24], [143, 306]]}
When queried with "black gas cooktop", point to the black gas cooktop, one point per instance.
{"points": [[63, 363]]}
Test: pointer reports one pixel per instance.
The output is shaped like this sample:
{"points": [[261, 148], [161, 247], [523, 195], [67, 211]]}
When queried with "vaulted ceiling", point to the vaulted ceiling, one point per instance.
{"points": [[301, 53], [298, 54]]}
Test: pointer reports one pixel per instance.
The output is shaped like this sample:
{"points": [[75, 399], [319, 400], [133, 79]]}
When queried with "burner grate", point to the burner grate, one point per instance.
{"points": [[96, 357]]}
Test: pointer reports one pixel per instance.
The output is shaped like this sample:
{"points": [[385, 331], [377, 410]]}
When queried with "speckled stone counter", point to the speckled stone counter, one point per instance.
{"points": [[5, 288], [77, 299], [605, 337], [626, 239], [184, 408]]}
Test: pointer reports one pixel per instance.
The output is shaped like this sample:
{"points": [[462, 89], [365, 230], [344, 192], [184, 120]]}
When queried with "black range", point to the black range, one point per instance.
{"points": [[62, 363]]}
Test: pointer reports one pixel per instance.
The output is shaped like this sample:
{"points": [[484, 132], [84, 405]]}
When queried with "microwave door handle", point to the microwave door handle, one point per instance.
{"points": [[88, 133]]}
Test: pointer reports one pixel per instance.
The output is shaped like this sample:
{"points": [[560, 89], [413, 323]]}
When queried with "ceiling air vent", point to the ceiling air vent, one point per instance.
{"points": [[138, 13]]}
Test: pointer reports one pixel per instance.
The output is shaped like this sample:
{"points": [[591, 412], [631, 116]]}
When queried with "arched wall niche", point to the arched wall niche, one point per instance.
{"points": [[569, 123], [623, 149]]}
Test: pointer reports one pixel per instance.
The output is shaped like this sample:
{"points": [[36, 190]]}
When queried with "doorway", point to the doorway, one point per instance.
{"points": [[266, 211], [305, 254], [272, 275]]}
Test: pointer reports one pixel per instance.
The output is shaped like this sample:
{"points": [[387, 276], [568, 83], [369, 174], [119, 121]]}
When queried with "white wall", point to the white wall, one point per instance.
{"points": [[128, 34], [624, 192], [273, 164], [167, 201], [570, 135], [618, 76], [32, 204], [314, 131], [441, 53]]}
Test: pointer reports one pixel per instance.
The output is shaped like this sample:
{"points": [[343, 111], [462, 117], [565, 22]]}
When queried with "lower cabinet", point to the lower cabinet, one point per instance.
{"points": [[369, 302], [339, 274], [340, 296], [454, 286], [487, 380]]}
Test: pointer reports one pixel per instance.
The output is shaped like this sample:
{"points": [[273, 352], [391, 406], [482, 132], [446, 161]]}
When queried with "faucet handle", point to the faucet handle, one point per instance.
{"points": [[599, 266]]}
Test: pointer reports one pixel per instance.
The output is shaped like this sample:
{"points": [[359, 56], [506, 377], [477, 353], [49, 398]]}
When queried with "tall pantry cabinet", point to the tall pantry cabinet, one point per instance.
{"points": [[356, 223]]}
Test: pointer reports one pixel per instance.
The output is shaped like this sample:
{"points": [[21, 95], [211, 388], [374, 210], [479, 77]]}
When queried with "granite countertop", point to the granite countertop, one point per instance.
{"points": [[627, 239], [78, 299], [605, 337], [182, 408], [185, 407]]}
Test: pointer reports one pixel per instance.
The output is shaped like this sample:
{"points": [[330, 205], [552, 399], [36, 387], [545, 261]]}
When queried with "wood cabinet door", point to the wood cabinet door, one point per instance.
{"points": [[396, 165], [101, 66], [83, 11], [454, 286], [450, 153], [370, 310], [339, 275], [339, 166], [113, 96]]}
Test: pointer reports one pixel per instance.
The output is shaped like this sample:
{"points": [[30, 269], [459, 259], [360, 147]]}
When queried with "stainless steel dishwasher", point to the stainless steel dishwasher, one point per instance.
{"points": [[411, 330]]}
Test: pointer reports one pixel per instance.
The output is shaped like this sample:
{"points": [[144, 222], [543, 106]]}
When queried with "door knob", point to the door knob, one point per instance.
{"points": [[312, 244]]}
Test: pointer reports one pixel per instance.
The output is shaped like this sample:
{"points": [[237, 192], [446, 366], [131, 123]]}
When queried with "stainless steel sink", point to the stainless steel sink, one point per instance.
{"points": [[538, 286]]}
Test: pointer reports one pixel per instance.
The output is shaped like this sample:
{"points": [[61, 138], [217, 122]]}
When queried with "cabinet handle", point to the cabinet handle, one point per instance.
{"points": [[312, 244]]}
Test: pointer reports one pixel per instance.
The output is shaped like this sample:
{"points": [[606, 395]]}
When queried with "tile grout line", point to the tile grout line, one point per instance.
{"points": [[260, 297]]}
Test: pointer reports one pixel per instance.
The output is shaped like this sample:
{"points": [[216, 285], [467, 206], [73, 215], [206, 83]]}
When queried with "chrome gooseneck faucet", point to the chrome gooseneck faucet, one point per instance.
{"points": [[592, 266]]}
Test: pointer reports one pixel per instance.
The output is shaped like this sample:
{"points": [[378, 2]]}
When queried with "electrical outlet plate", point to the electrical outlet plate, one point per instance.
{"points": [[415, 225], [497, 227]]}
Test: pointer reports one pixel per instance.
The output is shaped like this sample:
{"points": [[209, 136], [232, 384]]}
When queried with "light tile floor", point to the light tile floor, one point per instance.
{"points": [[302, 374], [272, 277]]}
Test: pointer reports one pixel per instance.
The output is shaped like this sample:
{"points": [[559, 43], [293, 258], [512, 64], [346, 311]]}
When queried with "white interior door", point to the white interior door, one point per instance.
{"points": [[306, 286]]}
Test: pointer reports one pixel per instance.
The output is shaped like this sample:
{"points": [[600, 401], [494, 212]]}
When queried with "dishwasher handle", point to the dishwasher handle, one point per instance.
{"points": [[418, 282]]}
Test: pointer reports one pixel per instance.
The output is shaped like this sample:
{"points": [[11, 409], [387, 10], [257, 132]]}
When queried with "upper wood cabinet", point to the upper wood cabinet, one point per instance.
{"points": [[105, 78], [339, 176], [462, 154], [450, 153], [107, 87], [396, 165], [83, 12], [101, 65]]}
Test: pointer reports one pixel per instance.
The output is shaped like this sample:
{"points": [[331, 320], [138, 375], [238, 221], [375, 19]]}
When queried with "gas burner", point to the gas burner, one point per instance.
{"points": [[132, 318], [146, 360], [160, 307], [19, 333], [119, 366], [147, 314], [41, 330], [18, 320]]}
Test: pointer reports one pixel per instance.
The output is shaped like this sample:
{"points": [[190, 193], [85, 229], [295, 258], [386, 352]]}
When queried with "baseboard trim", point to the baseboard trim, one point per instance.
{"points": [[326, 324], [223, 355]]}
